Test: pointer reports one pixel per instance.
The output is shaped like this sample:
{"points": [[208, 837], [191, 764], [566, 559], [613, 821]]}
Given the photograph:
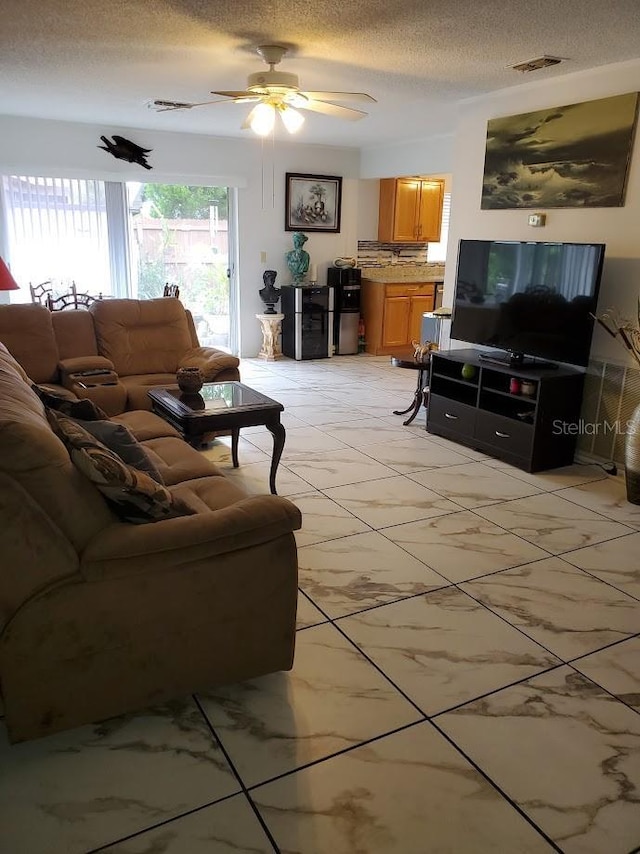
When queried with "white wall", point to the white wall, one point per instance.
{"points": [[418, 157], [257, 169], [368, 199], [618, 228]]}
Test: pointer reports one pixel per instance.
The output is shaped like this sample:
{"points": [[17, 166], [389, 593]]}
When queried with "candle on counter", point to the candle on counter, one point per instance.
{"points": [[313, 272]]}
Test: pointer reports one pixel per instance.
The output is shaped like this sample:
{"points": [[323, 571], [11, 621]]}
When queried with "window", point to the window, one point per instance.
{"points": [[57, 230]]}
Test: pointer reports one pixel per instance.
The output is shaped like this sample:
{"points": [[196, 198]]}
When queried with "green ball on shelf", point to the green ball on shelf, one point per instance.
{"points": [[468, 371]]}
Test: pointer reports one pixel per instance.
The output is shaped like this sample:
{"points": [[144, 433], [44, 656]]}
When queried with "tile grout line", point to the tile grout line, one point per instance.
{"points": [[513, 803], [430, 718], [163, 823], [200, 808], [236, 773], [368, 742], [561, 660], [424, 719]]}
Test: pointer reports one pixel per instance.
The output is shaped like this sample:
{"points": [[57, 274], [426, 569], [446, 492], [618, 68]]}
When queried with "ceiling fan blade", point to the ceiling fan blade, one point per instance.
{"points": [[164, 106], [340, 96], [244, 93], [334, 110]]}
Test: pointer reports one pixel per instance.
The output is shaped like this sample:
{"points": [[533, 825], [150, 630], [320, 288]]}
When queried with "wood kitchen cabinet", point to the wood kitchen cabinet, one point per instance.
{"points": [[392, 313], [410, 210]]}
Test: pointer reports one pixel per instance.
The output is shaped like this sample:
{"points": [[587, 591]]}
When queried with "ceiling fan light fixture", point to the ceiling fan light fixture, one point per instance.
{"points": [[263, 119], [291, 119], [277, 92]]}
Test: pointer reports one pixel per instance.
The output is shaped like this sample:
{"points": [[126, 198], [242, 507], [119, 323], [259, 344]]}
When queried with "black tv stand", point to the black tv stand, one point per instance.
{"points": [[471, 401], [516, 360]]}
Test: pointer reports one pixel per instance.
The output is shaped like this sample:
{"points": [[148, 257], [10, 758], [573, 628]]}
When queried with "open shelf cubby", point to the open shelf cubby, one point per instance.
{"points": [[523, 415]]}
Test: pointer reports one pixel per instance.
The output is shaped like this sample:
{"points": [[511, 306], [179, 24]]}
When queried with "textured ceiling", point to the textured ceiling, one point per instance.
{"points": [[102, 62]]}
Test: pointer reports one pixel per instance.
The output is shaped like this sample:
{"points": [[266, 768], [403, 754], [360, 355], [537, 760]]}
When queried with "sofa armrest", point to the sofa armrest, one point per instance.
{"points": [[84, 363], [125, 549], [104, 388], [210, 361]]}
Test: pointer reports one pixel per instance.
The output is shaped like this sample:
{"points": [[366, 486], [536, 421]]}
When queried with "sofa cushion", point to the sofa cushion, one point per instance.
{"points": [[138, 385], [142, 336], [27, 332], [74, 333], [85, 409], [132, 494], [146, 425], [205, 494], [177, 461], [122, 442]]}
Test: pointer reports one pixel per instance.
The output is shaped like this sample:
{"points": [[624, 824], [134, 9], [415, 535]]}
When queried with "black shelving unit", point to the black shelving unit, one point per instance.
{"points": [[534, 431]]}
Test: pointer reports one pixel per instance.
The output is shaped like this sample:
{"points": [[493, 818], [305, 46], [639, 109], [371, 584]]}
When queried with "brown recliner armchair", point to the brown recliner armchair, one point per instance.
{"points": [[148, 340]]}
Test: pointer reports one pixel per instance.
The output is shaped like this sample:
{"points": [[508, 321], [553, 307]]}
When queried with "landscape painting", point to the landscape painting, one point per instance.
{"points": [[576, 156]]}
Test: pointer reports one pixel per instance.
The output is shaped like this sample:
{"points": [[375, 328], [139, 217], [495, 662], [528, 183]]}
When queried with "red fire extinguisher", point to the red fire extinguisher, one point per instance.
{"points": [[361, 341]]}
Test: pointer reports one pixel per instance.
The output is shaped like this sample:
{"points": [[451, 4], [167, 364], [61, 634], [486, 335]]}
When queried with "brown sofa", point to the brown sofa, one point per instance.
{"points": [[99, 617], [141, 343]]}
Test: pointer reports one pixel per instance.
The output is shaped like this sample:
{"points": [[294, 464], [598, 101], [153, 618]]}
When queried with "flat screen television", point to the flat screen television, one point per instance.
{"points": [[528, 298]]}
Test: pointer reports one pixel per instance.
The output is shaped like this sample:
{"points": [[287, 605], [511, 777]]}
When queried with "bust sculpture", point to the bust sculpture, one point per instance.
{"points": [[298, 258], [269, 294]]}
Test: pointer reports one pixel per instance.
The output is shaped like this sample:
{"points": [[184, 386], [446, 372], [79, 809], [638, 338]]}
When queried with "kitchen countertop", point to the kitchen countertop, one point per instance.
{"points": [[389, 278], [404, 273]]}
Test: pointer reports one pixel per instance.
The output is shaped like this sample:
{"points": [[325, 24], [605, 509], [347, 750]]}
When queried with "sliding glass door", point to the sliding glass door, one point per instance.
{"points": [[179, 235]]}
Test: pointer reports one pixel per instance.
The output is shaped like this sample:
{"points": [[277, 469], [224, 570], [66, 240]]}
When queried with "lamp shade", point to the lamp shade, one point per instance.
{"points": [[291, 119], [7, 282], [263, 117]]}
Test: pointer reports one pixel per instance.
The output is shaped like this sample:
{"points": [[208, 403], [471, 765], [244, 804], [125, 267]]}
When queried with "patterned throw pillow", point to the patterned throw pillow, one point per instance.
{"points": [[132, 494], [84, 408], [119, 439]]}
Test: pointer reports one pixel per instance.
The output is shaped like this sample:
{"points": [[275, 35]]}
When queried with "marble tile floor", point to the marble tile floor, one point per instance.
{"points": [[467, 674]]}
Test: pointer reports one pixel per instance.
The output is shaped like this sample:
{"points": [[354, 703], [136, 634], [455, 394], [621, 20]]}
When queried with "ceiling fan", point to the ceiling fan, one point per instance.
{"points": [[277, 93]]}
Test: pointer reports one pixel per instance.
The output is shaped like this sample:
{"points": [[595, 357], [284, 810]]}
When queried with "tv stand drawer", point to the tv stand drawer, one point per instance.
{"points": [[505, 434], [451, 415]]}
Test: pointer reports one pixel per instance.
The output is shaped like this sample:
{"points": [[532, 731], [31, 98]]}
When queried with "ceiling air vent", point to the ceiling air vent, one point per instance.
{"points": [[535, 64]]}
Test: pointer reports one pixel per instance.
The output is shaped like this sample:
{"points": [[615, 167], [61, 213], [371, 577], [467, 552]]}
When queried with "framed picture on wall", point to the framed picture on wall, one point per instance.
{"points": [[574, 156], [312, 202]]}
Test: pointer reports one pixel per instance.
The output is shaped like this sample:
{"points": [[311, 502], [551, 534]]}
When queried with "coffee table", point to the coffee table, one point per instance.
{"points": [[218, 407]]}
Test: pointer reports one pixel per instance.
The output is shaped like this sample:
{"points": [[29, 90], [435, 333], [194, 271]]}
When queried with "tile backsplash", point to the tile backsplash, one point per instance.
{"points": [[407, 261], [372, 253]]}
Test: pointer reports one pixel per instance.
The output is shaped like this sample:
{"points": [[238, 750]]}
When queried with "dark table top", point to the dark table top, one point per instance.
{"points": [[213, 399]]}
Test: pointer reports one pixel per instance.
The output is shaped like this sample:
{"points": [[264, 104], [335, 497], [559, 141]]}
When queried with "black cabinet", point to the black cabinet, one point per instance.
{"points": [[307, 326], [527, 416]]}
